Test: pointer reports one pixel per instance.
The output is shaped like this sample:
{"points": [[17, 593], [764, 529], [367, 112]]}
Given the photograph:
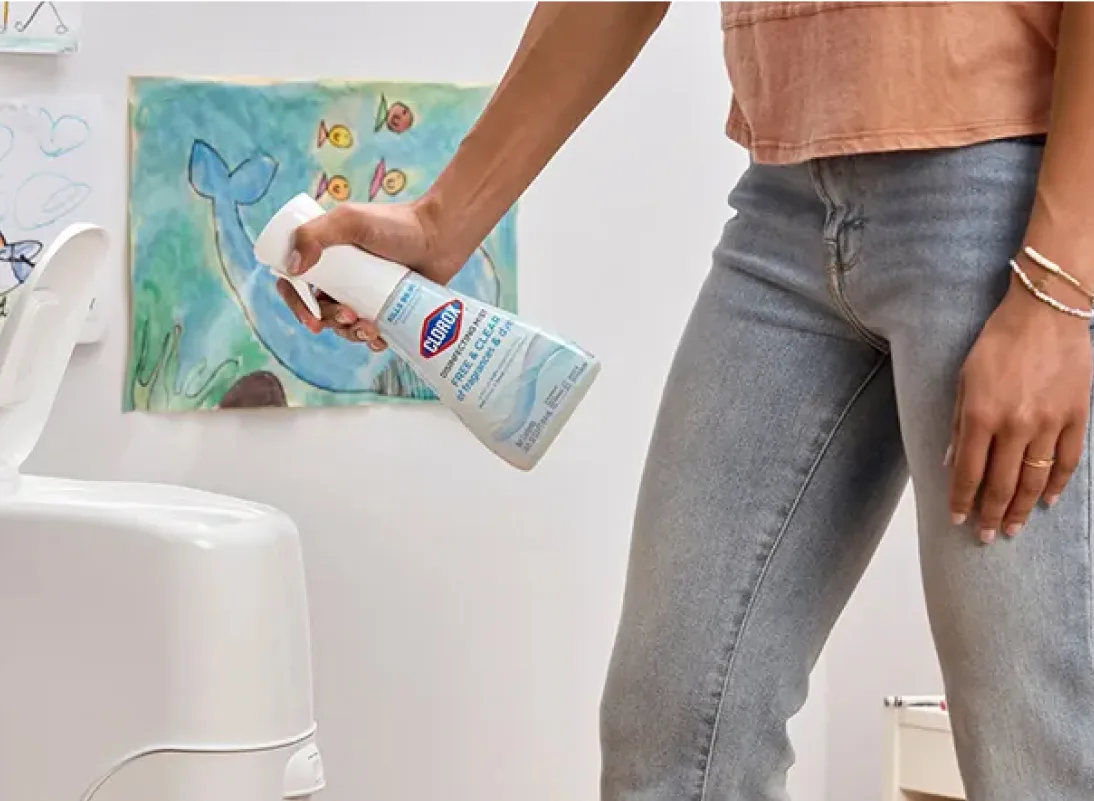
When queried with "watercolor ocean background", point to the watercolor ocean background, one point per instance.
{"points": [[210, 162]]}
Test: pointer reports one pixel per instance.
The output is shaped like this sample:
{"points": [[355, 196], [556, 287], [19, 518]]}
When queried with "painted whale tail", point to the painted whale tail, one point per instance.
{"points": [[245, 185]]}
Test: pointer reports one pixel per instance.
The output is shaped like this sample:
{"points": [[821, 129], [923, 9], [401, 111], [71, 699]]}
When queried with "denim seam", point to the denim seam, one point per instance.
{"points": [[731, 656], [836, 288], [818, 184], [835, 269]]}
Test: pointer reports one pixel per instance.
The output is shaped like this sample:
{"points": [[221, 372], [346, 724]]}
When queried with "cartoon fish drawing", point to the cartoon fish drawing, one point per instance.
{"points": [[326, 361], [392, 182], [338, 135], [16, 264], [335, 187], [397, 117]]}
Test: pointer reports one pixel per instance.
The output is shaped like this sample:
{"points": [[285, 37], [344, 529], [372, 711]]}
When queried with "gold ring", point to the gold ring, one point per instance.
{"points": [[1038, 463]]}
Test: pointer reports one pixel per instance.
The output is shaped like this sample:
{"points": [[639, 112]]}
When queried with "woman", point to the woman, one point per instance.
{"points": [[865, 288]]}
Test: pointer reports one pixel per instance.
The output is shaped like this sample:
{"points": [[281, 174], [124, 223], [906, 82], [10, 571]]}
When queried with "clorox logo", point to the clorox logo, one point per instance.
{"points": [[441, 328]]}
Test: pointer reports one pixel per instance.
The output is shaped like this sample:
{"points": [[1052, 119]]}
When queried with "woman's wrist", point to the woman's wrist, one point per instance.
{"points": [[1058, 233], [1026, 306], [1051, 242], [444, 247]]}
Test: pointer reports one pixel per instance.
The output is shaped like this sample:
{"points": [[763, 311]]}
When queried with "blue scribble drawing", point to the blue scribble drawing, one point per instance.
{"points": [[45, 198], [7, 141], [16, 264], [326, 361], [62, 135]]}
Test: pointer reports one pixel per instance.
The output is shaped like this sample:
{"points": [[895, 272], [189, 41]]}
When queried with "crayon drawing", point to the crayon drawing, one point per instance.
{"points": [[42, 28], [210, 162], [49, 172]]}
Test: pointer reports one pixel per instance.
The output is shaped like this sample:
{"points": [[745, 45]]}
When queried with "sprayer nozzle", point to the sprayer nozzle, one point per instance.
{"points": [[273, 245], [304, 290]]}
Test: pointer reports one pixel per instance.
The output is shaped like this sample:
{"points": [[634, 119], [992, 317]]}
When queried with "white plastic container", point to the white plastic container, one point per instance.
{"points": [[512, 384], [156, 638]]}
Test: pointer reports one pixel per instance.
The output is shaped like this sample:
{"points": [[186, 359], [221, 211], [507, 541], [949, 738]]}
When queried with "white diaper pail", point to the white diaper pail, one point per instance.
{"points": [[154, 641]]}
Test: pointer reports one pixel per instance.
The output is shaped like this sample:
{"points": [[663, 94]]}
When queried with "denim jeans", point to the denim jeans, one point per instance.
{"points": [[817, 372]]}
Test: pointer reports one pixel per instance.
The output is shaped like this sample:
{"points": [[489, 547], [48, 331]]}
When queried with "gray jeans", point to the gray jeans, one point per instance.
{"points": [[817, 371]]}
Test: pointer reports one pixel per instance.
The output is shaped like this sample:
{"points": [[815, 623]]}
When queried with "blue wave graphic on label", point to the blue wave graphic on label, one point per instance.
{"points": [[539, 352]]}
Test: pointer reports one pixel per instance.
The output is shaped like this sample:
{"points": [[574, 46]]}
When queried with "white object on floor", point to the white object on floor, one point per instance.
{"points": [[919, 755], [157, 642]]}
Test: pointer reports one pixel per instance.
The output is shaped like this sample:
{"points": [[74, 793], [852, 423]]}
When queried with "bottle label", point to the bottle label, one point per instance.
{"points": [[509, 382]]}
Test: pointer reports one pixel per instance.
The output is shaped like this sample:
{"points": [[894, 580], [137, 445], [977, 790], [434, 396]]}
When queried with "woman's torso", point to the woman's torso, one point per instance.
{"points": [[822, 79]]}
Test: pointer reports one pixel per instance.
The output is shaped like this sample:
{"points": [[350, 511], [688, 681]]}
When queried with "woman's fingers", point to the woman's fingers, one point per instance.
{"points": [[361, 332], [1069, 450], [372, 336], [955, 425], [335, 313], [1032, 480], [297, 307], [970, 457], [339, 318], [1005, 470], [1000, 482], [309, 241], [335, 316]]}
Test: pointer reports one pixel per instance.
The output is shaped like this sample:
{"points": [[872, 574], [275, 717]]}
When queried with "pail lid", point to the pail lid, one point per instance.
{"points": [[40, 334]]}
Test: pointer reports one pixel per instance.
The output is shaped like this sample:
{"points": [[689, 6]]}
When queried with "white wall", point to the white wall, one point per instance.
{"points": [[462, 627]]}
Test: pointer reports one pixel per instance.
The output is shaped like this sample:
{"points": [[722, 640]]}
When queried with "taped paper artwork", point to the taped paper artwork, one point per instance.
{"points": [[40, 28], [210, 162], [50, 160]]}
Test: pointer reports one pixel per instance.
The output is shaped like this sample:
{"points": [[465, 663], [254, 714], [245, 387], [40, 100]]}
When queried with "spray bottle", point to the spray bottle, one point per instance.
{"points": [[512, 384]]}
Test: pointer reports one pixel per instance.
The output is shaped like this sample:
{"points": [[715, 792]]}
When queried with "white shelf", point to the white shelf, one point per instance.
{"points": [[920, 756]]}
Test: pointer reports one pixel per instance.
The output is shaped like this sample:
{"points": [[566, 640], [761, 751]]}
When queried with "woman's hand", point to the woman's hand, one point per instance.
{"points": [[403, 233], [1023, 399]]}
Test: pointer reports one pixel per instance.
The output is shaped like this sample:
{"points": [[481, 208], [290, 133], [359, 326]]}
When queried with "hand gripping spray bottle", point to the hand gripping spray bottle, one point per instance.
{"points": [[513, 385]]}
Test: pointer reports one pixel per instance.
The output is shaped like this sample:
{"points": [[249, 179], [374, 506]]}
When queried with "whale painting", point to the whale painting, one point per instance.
{"points": [[210, 162]]}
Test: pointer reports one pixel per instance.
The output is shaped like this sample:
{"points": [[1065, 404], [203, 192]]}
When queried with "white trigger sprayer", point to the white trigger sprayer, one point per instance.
{"points": [[512, 384]]}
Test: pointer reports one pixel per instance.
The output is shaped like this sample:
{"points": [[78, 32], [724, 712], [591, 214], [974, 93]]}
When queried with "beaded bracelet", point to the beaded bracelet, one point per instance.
{"points": [[1041, 296], [1056, 270]]}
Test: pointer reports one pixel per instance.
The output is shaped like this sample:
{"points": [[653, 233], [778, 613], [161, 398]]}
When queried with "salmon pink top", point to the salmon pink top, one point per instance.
{"points": [[823, 79]]}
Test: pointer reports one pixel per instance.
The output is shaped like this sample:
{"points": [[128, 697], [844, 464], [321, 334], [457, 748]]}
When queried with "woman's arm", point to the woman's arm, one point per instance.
{"points": [[1025, 388], [1062, 223], [569, 58]]}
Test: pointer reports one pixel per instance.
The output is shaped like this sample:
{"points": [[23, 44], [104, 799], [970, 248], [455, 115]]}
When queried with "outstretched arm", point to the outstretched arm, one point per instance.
{"points": [[570, 57]]}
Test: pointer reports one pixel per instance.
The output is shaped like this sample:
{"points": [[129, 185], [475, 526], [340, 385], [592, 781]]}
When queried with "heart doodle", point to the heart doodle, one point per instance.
{"points": [[62, 135], [45, 198]]}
